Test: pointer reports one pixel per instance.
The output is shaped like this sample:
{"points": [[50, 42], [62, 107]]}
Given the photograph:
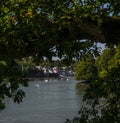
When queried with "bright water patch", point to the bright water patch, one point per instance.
{"points": [[45, 102]]}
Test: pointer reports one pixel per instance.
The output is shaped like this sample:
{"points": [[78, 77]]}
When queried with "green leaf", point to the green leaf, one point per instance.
{"points": [[3, 63]]}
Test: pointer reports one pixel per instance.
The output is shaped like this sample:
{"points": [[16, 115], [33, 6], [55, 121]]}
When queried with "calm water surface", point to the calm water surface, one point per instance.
{"points": [[45, 102]]}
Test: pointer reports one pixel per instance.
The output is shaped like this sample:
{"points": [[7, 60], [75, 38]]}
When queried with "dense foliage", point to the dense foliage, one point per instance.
{"points": [[102, 97], [86, 69], [44, 28]]}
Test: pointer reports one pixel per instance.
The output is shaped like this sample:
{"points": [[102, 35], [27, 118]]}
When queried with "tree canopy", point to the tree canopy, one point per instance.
{"points": [[86, 69], [44, 28], [102, 96]]}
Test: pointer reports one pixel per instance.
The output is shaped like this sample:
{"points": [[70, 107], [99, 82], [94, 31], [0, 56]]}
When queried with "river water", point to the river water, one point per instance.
{"points": [[45, 102]]}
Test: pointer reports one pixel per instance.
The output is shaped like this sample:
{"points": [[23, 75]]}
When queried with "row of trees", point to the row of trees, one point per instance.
{"points": [[103, 97]]}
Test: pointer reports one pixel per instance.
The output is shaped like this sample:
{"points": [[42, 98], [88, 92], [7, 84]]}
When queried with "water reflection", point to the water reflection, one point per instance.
{"points": [[50, 102]]}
